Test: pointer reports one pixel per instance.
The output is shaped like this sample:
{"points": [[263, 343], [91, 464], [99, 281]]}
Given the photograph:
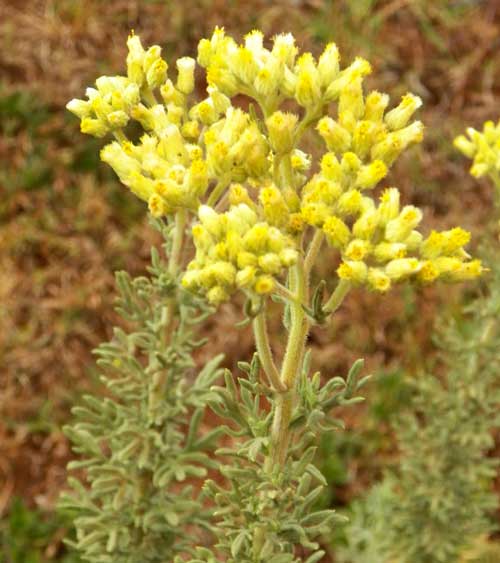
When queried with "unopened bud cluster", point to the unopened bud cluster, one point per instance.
{"points": [[236, 250], [196, 156]]}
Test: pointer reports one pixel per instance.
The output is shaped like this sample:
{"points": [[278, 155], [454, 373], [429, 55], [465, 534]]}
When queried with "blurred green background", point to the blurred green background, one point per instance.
{"points": [[66, 224]]}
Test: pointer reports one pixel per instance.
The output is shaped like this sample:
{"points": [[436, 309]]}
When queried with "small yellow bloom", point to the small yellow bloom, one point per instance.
{"points": [[264, 284], [378, 280], [357, 249], [336, 231], [355, 272]]}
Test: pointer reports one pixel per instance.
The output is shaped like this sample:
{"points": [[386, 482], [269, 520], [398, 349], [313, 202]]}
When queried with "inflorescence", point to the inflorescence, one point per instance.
{"points": [[244, 175]]}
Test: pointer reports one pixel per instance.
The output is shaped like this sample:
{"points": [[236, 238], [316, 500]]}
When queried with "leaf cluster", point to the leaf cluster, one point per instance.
{"points": [[268, 513], [140, 445]]}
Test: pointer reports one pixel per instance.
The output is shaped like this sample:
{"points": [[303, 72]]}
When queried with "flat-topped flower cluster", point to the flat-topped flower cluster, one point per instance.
{"points": [[245, 177]]}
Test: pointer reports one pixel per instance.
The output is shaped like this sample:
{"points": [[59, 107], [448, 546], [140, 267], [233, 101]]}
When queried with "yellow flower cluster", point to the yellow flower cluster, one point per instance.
{"points": [[382, 246], [484, 149], [166, 172], [166, 167], [271, 76], [249, 164], [235, 250], [236, 148]]}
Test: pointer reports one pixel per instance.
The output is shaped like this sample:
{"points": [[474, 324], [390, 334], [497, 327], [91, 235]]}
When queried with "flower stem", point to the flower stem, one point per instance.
{"points": [[313, 251], [337, 296], [174, 264], [290, 370], [178, 236], [264, 351], [217, 191]]}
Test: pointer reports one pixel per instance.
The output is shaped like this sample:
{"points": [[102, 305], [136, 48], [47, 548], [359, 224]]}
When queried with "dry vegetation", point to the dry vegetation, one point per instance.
{"points": [[66, 225]]}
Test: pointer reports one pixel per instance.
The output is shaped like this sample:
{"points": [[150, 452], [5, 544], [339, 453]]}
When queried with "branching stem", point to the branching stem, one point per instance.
{"points": [[337, 296], [217, 191], [174, 264], [313, 251], [290, 370], [264, 351]]}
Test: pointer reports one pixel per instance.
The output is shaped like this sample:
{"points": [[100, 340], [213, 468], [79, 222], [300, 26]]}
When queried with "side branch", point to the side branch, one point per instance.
{"points": [[264, 350]]}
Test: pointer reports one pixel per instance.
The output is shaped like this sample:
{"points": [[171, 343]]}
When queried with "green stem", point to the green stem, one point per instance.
{"points": [[310, 116], [119, 135], [313, 251], [174, 264], [337, 296], [290, 370], [284, 292], [178, 236], [218, 191], [264, 351], [288, 177]]}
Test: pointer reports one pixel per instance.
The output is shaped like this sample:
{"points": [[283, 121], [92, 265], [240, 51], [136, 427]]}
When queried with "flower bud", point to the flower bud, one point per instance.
{"points": [[387, 149], [465, 146], [170, 94], [308, 89], [386, 251], [399, 228], [156, 206], [264, 284], [401, 115], [388, 208], [365, 226], [428, 272], [328, 64], [378, 280], [246, 277], [80, 108], [135, 59], [118, 119], [330, 167], [337, 138], [355, 272], [157, 74], [288, 257], [402, 268], [336, 231], [357, 249], [275, 208], [244, 65], [94, 127], [350, 203], [375, 105], [185, 75], [351, 98], [364, 137], [270, 263], [370, 175], [217, 295], [281, 128], [284, 48], [359, 68], [467, 271]]}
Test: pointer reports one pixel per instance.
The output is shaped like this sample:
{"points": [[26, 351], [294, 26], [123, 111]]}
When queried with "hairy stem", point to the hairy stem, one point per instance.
{"points": [[264, 351], [313, 251], [337, 296], [174, 264], [290, 370]]}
